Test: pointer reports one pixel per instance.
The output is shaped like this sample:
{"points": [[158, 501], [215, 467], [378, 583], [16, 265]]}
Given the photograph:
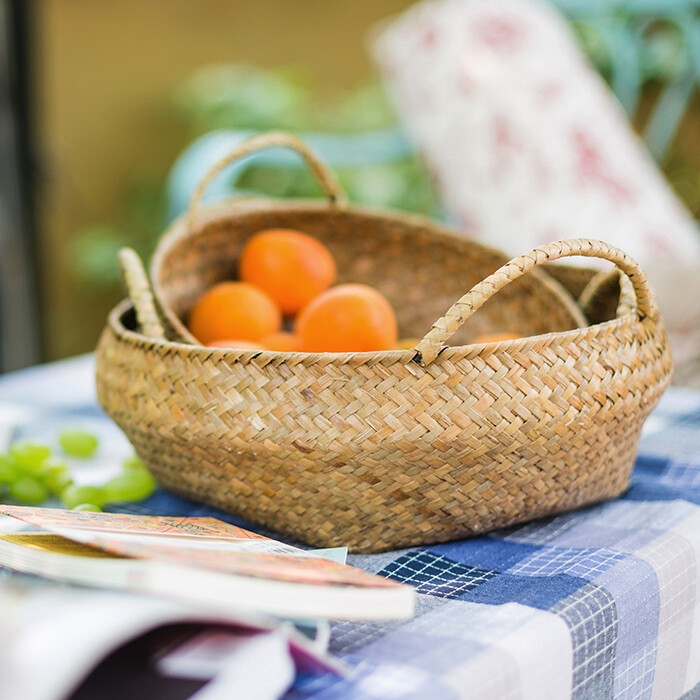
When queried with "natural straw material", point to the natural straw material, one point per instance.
{"points": [[139, 290], [606, 295], [456, 316], [400, 448]]}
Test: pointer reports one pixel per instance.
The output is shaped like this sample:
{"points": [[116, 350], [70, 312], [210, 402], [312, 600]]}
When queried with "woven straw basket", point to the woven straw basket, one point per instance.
{"points": [[386, 449]]}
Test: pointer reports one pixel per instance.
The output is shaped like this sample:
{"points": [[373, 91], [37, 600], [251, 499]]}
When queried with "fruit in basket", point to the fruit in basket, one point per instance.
{"points": [[281, 341], [347, 318], [494, 338], [290, 266], [234, 310], [235, 344], [287, 271]]}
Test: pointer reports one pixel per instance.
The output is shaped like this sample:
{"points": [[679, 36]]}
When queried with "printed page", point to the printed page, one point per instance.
{"points": [[195, 542], [55, 544], [55, 635], [257, 670]]}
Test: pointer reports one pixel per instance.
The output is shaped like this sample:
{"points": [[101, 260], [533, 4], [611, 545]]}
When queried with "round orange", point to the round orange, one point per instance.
{"points": [[290, 266], [347, 318], [234, 310], [235, 344], [494, 338], [281, 341]]}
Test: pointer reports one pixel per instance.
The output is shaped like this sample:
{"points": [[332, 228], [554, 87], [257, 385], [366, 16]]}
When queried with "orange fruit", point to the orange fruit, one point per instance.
{"points": [[235, 344], [234, 310], [290, 266], [347, 318], [494, 338], [407, 343], [281, 341]]}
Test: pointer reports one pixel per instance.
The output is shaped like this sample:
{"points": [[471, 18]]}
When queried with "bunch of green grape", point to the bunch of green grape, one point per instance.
{"points": [[29, 473]]}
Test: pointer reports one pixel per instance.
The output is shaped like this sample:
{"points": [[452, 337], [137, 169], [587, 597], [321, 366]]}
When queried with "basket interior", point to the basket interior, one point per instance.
{"points": [[421, 268]]}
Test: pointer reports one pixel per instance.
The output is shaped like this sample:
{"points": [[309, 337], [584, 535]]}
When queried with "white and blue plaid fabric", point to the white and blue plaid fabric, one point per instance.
{"points": [[600, 603]]}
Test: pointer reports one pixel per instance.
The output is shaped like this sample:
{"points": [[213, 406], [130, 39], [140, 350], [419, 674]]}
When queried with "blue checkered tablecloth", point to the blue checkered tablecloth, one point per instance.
{"points": [[600, 603]]}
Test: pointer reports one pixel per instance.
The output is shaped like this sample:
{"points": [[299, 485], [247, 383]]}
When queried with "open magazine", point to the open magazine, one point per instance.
{"points": [[199, 560], [66, 642]]}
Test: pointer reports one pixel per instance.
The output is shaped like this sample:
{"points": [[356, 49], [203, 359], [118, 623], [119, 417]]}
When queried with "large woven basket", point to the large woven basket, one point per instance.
{"points": [[387, 449]]}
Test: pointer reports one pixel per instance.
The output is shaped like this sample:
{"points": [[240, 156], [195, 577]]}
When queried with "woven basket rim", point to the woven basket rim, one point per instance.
{"points": [[230, 207], [386, 357]]}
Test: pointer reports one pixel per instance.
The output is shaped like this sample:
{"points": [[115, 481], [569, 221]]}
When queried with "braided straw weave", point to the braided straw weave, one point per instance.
{"points": [[398, 448]]}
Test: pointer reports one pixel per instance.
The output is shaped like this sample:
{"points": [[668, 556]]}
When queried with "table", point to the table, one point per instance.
{"points": [[600, 603]]}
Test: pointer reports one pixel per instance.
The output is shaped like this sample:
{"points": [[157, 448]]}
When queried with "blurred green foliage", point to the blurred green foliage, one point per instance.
{"points": [[649, 53], [244, 97], [92, 252], [662, 51]]}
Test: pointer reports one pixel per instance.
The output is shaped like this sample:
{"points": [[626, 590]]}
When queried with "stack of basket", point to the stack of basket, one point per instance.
{"points": [[395, 448]]}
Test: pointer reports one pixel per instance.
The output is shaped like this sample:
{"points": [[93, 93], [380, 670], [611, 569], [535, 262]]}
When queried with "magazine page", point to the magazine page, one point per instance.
{"points": [[252, 666], [196, 542], [66, 631]]}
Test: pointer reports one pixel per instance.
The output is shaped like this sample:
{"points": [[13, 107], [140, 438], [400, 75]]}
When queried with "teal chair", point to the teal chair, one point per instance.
{"points": [[336, 150]]}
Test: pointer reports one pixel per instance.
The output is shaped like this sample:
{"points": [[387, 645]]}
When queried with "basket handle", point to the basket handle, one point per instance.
{"points": [[325, 178], [603, 282], [140, 294], [431, 345]]}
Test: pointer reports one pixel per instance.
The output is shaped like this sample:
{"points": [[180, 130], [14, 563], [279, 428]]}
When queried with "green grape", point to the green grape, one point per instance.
{"points": [[87, 508], [56, 475], [29, 490], [74, 495], [29, 455], [9, 470], [78, 443], [132, 485], [134, 462]]}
